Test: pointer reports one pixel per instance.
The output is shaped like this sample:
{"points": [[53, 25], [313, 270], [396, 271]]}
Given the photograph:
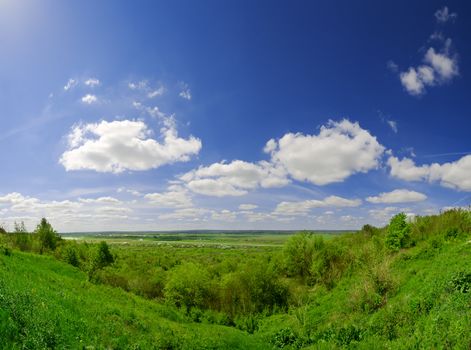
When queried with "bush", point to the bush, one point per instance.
{"points": [[398, 232], [254, 288], [299, 251], [188, 286], [329, 263], [71, 256]]}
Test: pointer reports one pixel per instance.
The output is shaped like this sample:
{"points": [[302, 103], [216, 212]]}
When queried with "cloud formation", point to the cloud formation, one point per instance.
{"points": [[235, 178], [453, 174], [340, 150], [122, 145], [444, 15], [303, 207], [397, 196]]}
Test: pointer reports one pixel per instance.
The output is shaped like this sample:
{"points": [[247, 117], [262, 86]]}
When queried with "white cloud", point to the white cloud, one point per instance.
{"points": [[340, 150], [100, 200], [92, 82], [192, 214], [453, 174], [140, 85], [398, 196], [392, 66], [70, 84], [406, 169], [444, 15], [157, 92], [89, 99], [384, 214], [304, 207], [224, 215], [248, 206], [392, 124], [235, 178], [412, 82], [154, 112], [176, 197], [125, 145], [439, 68], [185, 92], [444, 66], [145, 87]]}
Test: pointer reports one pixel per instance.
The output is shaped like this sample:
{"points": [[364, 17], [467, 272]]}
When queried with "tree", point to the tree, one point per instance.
{"points": [[47, 236], [103, 257], [398, 232]]}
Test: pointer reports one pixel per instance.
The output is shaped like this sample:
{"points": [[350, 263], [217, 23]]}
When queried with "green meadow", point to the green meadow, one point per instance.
{"points": [[403, 286]]}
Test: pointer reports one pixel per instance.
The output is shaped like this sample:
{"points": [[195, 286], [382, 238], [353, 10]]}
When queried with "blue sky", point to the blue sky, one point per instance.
{"points": [[238, 114]]}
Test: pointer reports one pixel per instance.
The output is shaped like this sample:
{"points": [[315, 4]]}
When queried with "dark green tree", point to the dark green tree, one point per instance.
{"points": [[103, 256], [47, 236]]}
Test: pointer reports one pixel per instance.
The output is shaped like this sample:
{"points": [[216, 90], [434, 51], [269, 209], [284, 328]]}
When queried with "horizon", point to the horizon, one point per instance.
{"points": [[184, 116]]}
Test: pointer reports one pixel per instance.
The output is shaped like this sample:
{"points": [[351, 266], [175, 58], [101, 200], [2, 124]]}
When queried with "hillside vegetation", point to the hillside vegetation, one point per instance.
{"points": [[407, 285]]}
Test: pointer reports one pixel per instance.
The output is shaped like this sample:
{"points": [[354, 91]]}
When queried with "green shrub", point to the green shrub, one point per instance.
{"points": [[329, 263], [252, 289], [189, 285], [398, 232], [71, 256], [299, 251]]}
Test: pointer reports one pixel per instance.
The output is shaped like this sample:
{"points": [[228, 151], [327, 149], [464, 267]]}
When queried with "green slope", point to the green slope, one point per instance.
{"points": [[48, 304]]}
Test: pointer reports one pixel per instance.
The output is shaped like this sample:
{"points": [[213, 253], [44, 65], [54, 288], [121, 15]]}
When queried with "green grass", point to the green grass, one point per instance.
{"points": [[48, 304], [350, 291]]}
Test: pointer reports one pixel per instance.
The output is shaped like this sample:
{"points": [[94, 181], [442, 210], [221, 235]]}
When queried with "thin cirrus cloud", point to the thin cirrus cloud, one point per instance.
{"points": [[122, 145], [454, 175], [397, 196], [303, 207]]}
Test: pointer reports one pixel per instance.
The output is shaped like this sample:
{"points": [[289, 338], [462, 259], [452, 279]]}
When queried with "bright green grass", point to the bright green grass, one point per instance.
{"points": [[424, 312], [47, 304]]}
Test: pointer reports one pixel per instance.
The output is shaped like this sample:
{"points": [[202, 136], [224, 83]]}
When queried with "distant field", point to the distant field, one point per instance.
{"points": [[218, 239]]}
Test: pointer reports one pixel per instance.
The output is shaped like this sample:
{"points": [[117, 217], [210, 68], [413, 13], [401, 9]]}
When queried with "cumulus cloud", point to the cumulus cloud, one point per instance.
{"points": [[438, 68], [175, 197], [444, 15], [398, 196], [303, 207], [89, 99], [340, 150], [453, 174], [235, 178], [125, 145]]}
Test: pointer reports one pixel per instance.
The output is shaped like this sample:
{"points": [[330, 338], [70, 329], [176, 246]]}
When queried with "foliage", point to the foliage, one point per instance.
{"points": [[47, 236], [188, 286], [403, 286], [398, 232]]}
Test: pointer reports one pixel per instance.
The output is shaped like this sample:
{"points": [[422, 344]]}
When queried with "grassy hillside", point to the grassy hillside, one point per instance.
{"points": [[45, 303], [404, 286]]}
